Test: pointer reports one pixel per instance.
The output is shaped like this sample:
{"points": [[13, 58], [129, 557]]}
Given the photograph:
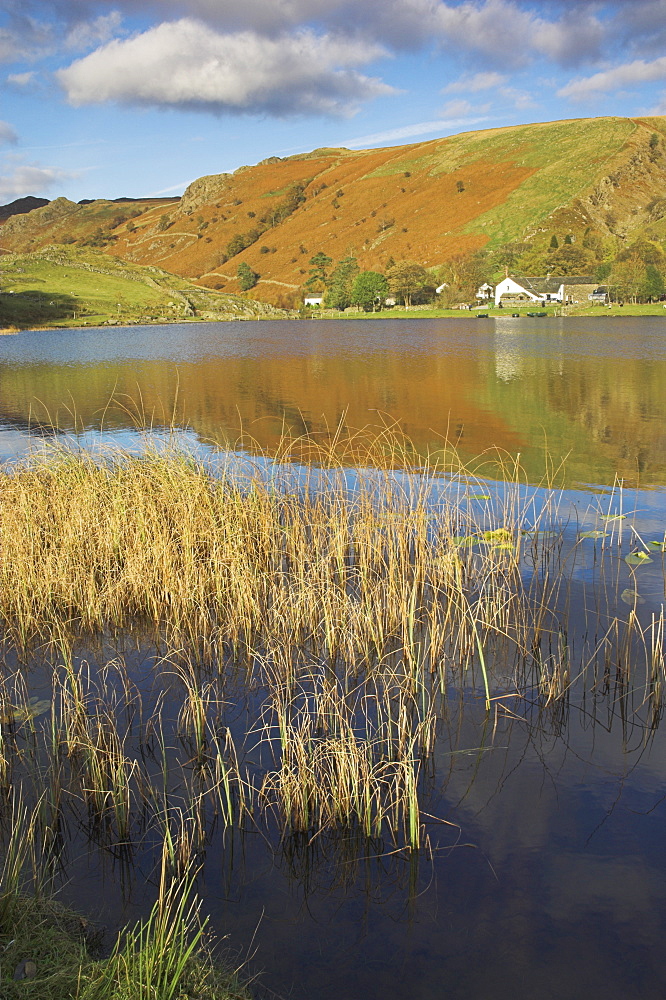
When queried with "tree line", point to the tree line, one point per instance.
{"points": [[344, 284]]}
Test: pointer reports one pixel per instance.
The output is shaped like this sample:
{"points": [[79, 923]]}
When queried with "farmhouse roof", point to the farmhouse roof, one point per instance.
{"points": [[550, 285]]}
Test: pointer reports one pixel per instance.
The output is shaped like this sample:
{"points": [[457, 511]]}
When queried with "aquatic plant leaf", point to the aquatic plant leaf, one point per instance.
{"points": [[593, 534], [613, 517], [657, 546], [637, 558], [466, 540], [498, 535], [479, 496], [631, 597], [19, 713]]}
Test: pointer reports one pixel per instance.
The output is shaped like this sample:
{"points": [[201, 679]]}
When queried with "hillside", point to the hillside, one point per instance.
{"points": [[21, 206], [428, 202], [58, 285]]}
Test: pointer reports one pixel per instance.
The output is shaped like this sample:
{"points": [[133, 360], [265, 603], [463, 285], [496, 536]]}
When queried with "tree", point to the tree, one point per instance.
{"points": [[570, 259], [628, 278], [653, 284], [236, 245], [463, 274], [460, 187], [340, 283], [554, 242], [320, 264], [369, 290], [247, 278], [163, 223], [406, 278]]}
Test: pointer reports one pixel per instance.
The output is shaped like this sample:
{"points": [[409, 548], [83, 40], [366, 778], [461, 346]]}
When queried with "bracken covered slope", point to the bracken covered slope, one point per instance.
{"points": [[426, 202]]}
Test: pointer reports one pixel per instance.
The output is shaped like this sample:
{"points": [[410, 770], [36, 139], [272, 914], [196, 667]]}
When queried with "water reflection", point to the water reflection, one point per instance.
{"points": [[590, 394]]}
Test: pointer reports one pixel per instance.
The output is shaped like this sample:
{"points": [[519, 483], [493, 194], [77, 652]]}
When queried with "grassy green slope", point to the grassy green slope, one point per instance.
{"points": [[57, 286]]}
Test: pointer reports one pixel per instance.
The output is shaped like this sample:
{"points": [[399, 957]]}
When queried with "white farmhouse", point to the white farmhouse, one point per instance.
{"points": [[566, 290]]}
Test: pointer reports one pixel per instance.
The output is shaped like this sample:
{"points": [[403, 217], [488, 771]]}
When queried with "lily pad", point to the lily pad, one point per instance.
{"points": [[465, 540], [498, 535], [19, 713], [593, 534], [631, 597], [637, 558], [657, 546], [613, 517], [479, 496]]}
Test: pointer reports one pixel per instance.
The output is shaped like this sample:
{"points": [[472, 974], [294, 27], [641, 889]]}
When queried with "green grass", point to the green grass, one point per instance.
{"points": [[421, 312], [66, 287], [160, 958]]}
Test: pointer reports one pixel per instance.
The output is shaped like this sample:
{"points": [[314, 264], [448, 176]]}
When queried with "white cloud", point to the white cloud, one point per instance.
{"points": [[519, 98], [23, 38], [475, 84], [642, 25], [480, 82], [498, 28], [577, 38], [24, 179], [184, 64], [506, 31], [21, 79], [7, 134], [627, 75], [441, 125], [460, 107], [659, 108], [88, 34], [179, 188]]}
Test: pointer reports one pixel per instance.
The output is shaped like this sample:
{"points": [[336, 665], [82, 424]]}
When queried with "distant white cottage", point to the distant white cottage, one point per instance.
{"points": [[567, 290], [313, 301]]}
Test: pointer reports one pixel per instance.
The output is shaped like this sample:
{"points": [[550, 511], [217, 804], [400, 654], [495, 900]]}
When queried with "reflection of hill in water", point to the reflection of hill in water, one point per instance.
{"points": [[606, 413]]}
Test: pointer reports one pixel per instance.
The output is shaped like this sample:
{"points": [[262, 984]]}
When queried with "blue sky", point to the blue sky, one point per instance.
{"points": [[139, 97]]}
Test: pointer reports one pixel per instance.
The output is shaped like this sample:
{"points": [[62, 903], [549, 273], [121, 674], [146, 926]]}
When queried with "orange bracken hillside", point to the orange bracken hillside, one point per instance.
{"points": [[426, 202]]}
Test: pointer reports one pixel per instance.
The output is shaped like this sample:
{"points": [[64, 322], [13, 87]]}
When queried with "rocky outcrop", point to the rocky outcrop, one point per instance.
{"points": [[624, 198], [203, 190]]}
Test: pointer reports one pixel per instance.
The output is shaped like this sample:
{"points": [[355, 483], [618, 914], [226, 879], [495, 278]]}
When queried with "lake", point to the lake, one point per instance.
{"points": [[542, 871]]}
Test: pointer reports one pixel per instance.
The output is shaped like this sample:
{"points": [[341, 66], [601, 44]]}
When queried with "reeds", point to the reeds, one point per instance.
{"points": [[233, 562], [161, 957], [343, 606]]}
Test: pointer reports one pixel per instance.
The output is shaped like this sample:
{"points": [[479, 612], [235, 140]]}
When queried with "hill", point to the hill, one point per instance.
{"points": [[602, 181], [21, 206], [59, 285]]}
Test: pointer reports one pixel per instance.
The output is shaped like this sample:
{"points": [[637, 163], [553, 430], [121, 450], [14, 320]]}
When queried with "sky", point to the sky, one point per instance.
{"points": [[140, 97]]}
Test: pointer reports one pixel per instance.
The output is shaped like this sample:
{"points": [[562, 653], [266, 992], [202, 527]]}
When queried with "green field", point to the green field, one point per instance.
{"points": [[70, 286]]}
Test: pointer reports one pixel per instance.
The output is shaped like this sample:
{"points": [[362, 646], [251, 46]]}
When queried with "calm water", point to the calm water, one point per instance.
{"points": [[550, 881]]}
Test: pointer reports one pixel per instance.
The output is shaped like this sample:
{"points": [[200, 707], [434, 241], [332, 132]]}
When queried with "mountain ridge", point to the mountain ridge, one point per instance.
{"points": [[600, 179]]}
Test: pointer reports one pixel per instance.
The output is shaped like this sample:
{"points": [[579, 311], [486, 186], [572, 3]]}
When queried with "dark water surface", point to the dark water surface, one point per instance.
{"points": [[546, 876]]}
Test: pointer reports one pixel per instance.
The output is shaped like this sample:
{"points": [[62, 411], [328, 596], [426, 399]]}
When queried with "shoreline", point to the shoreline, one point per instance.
{"points": [[415, 312]]}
